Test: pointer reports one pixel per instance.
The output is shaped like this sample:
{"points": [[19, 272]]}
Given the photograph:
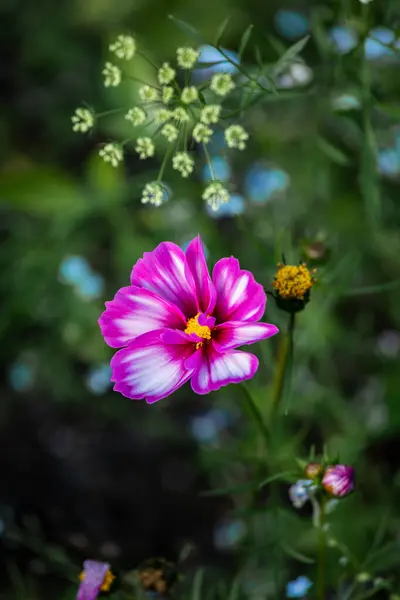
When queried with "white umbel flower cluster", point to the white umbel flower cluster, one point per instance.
{"points": [[222, 84], [236, 137], [167, 94], [124, 47], [112, 153], [210, 114], [183, 163], [145, 147], [170, 132], [82, 120], [215, 194], [112, 75], [187, 57], [202, 133], [152, 193], [189, 94], [166, 74], [136, 115], [147, 93]]}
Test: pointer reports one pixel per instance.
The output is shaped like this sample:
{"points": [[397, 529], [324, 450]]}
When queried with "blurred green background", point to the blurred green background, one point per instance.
{"points": [[87, 473]]}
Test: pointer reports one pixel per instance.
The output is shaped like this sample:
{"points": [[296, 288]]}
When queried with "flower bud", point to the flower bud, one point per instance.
{"points": [[312, 470], [338, 480]]}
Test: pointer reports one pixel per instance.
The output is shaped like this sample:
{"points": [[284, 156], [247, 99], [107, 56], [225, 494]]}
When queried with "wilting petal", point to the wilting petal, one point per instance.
{"points": [[135, 311], [94, 574], [239, 296], [237, 333], [196, 260], [165, 272], [213, 370], [150, 368]]}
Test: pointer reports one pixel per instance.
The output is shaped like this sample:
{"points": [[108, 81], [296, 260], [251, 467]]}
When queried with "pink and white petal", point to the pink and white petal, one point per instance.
{"points": [[239, 296], [135, 311], [215, 370], [196, 262], [149, 368], [174, 336], [165, 272], [237, 333]]}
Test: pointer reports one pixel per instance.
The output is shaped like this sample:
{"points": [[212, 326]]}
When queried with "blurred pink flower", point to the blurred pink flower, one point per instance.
{"points": [[338, 480], [176, 323], [95, 577]]}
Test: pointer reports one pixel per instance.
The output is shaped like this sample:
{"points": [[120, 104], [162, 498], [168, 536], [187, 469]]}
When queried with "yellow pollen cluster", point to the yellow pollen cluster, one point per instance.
{"points": [[293, 281], [107, 582], [192, 326]]}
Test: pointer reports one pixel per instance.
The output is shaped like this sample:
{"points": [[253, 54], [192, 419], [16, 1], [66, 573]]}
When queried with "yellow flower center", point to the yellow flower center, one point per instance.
{"points": [[107, 582], [293, 281], [193, 326]]}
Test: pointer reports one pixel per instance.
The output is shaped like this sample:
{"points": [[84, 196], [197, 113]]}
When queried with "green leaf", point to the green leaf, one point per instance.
{"points": [[297, 555], [244, 40], [232, 489], [284, 475], [373, 289], [258, 57], [221, 30], [234, 591], [288, 57], [197, 585], [188, 29], [390, 110], [332, 152]]}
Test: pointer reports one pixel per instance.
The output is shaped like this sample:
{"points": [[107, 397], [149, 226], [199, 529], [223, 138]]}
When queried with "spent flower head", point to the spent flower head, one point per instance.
{"points": [[136, 115], [215, 194], [202, 133], [147, 93], [222, 84], [124, 47], [145, 147], [292, 285], [236, 137], [166, 74], [186, 57], [183, 163], [153, 193], [210, 114], [112, 75], [189, 94], [170, 132], [112, 153], [82, 120], [167, 94], [180, 114]]}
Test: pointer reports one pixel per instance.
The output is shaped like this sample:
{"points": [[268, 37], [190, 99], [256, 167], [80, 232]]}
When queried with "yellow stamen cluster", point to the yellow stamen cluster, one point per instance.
{"points": [[193, 326], [107, 582], [153, 578], [293, 281]]}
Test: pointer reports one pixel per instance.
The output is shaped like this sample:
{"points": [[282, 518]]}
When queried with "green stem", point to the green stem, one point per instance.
{"points": [[209, 162], [243, 71], [164, 163], [285, 354], [320, 586], [256, 414]]}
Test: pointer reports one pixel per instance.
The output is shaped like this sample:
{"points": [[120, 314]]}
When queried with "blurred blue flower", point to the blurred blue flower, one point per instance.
{"points": [[344, 38], [98, 379], [206, 428], [74, 269], [376, 43], [235, 206], [229, 534], [262, 182], [221, 167], [210, 54], [91, 287], [217, 142], [299, 492], [185, 245], [292, 24], [299, 587], [21, 376], [389, 162]]}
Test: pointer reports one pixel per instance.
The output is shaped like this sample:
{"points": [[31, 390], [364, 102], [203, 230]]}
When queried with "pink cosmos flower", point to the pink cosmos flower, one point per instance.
{"points": [[338, 480], [176, 323]]}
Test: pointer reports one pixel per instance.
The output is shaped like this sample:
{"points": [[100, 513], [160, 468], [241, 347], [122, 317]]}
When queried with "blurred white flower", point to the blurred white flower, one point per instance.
{"points": [[202, 133], [183, 163], [147, 93], [82, 120], [144, 147], [162, 115], [112, 75], [170, 132], [187, 57], [167, 93], [189, 94], [236, 137], [152, 194], [222, 84], [180, 115], [112, 153], [210, 114], [124, 47], [215, 194], [166, 74], [136, 116]]}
